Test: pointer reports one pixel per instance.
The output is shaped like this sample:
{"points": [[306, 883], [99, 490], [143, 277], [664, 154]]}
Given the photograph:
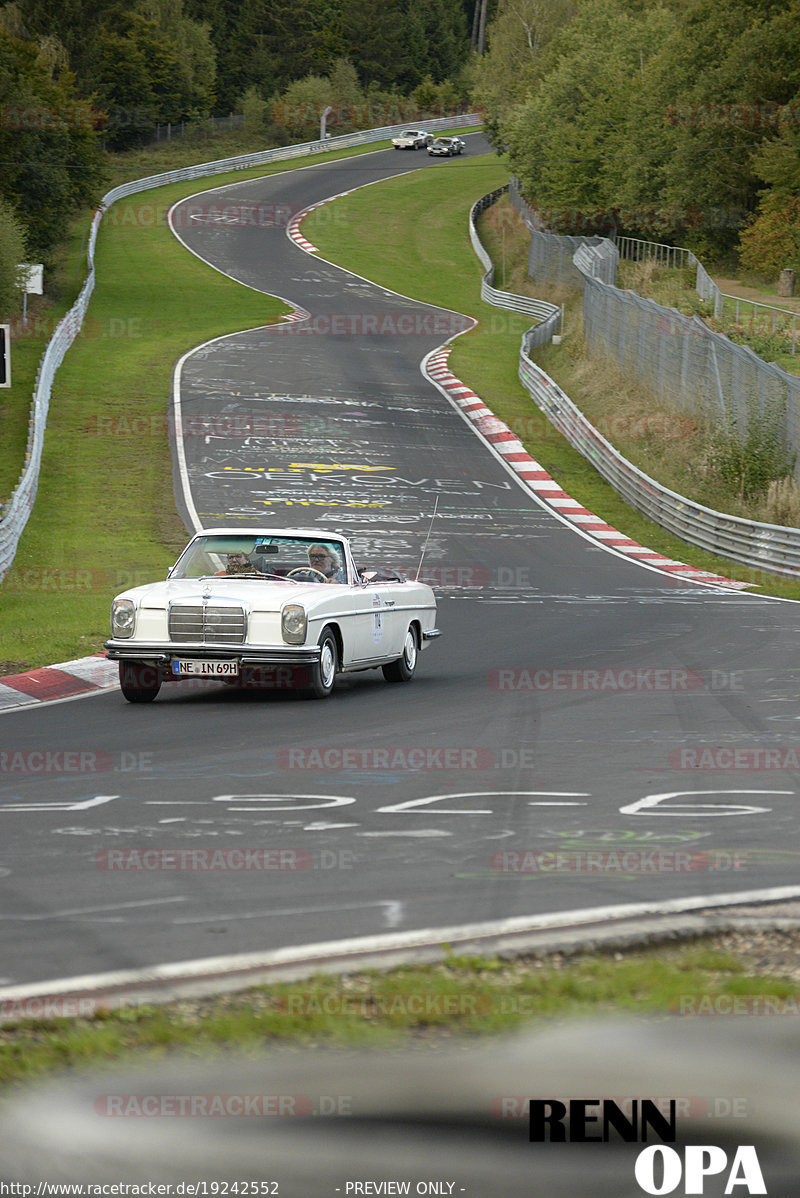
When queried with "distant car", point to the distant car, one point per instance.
{"points": [[241, 605], [446, 146], [412, 139]]}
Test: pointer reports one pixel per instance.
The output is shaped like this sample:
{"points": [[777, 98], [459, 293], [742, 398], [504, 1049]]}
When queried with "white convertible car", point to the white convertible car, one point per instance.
{"points": [[412, 139], [250, 607]]}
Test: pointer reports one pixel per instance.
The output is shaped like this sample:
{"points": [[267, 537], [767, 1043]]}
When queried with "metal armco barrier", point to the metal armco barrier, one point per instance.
{"points": [[770, 547], [16, 512], [542, 310]]}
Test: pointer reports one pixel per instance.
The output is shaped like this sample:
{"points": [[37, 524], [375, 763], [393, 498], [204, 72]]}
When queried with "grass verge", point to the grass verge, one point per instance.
{"points": [[461, 999], [429, 257]]}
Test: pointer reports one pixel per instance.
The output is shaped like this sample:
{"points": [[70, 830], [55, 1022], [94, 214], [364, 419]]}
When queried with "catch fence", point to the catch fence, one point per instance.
{"points": [[768, 547]]}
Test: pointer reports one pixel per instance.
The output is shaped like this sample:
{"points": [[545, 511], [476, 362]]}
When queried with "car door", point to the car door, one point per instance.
{"points": [[373, 623]]}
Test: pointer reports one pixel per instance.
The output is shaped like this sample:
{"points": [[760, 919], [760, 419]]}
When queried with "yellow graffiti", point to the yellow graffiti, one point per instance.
{"points": [[317, 503], [321, 468]]}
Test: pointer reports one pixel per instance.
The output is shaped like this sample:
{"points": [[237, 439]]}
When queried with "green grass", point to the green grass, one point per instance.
{"points": [[429, 256], [463, 997]]}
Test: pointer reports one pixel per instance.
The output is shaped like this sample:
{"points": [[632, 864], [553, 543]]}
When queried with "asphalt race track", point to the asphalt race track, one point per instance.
{"points": [[577, 704]]}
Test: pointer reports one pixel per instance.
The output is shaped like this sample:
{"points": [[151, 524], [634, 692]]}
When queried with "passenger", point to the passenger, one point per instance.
{"points": [[238, 563]]}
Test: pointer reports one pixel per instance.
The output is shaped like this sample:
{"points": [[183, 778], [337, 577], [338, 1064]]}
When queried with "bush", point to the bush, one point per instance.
{"points": [[782, 504], [254, 110], [749, 461], [771, 241]]}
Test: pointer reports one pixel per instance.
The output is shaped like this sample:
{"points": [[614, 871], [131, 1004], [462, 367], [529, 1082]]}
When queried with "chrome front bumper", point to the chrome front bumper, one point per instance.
{"points": [[163, 655]]}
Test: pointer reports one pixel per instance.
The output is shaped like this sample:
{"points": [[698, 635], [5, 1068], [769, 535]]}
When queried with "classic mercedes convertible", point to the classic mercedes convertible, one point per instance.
{"points": [[255, 607]]}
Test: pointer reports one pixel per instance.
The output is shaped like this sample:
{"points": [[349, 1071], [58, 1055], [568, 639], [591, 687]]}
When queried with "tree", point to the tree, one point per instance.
{"points": [[345, 87], [74, 23], [771, 239], [444, 43], [383, 43], [648, 113], [575, 143], [48, 146], [270, 43], [726, 80], [12, 254], [254, 110], [302, 104], [514, 62]]}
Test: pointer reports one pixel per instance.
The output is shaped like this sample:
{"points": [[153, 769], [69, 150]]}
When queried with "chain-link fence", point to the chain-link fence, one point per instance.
{"points": [[550, 258], [684, 363], [550, 254], [209, 126], [677, 357]]}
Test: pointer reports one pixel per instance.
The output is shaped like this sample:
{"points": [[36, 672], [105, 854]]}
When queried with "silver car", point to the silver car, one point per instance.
{"points": [[446, 147]]}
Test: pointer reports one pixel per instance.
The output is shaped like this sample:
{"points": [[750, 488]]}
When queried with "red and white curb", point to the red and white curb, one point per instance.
{"points": [[508, 445], [292, 317], [293, 227], [60, 681]]}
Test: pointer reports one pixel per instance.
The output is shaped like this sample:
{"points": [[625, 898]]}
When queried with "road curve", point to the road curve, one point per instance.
{"points": [[586, 733]]}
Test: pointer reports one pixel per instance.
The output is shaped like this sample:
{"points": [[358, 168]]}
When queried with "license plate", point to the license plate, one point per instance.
{"points": [[211, 669]]}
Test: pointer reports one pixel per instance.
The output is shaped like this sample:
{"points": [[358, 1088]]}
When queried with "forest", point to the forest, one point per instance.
{"points": [[675, 120]]}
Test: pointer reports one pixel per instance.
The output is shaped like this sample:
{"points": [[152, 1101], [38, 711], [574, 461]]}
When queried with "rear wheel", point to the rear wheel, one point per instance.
{"points": [[139, 683], [323, 672], [403, 669]]}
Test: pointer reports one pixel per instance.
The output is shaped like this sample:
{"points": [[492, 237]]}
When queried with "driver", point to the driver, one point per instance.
{"points": [[326, 561]]}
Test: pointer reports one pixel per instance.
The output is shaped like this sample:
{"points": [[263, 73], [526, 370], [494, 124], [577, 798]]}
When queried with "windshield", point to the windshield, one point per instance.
{"points": [[293, 559]]}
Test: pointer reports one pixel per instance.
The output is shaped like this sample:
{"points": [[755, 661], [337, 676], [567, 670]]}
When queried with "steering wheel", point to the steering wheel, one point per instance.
{"points": [[307, 570]]}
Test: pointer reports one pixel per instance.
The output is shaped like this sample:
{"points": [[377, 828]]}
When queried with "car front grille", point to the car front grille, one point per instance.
{"points": [[221, 624]]}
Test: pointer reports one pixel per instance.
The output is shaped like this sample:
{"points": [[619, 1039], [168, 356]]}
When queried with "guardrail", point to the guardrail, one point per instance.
{"points": [[548, 315], [17, 510], [770, 547]]}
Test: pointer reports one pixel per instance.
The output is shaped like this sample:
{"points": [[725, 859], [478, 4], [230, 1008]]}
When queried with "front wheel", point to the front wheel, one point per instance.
{"points": [[403, 669], [323, 672], [139, 683]]}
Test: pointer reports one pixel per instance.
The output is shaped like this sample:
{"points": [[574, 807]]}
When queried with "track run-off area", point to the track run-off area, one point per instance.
{"points": [[587, 734]]}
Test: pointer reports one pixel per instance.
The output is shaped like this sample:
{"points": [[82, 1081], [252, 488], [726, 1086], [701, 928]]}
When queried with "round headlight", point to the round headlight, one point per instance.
{"points": [[123, 617], [293, 624]]}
